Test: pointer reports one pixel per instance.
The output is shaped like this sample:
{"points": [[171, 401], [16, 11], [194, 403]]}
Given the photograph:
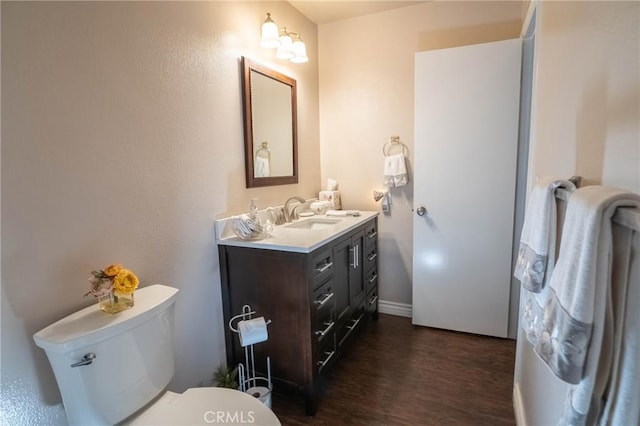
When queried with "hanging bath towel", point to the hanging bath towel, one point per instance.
{"points": [[576, 339], [395, 171]]}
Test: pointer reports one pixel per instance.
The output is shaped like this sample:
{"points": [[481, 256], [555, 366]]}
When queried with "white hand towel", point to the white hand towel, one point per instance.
{"points": [[538, 237], [395, 171], [262, 167], [536, 256], [576, 339]]}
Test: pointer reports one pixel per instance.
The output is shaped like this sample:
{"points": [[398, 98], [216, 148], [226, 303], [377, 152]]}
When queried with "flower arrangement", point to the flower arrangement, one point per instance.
{"points": [[112, 284]]}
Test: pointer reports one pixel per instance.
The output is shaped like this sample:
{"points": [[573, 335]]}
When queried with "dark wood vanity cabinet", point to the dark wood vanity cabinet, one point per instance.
{"points": [[317, 302]]}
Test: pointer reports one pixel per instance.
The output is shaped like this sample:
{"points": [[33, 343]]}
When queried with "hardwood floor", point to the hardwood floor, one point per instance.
{"points": [[400, 374]]}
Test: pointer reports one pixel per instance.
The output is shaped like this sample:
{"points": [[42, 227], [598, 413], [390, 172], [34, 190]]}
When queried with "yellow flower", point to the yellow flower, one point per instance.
{"points": [[113, 270], [125, 282]]}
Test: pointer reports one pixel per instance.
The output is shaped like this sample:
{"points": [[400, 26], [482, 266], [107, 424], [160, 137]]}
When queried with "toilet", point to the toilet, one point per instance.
{"points": [[115, 368]]}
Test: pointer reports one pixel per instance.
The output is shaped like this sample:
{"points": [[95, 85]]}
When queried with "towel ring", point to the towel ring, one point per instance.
{"points": [[395, 140], [263, 151]]}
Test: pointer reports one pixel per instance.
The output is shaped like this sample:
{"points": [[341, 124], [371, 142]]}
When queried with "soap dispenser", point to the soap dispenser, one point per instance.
{"points": [[253, 209]]}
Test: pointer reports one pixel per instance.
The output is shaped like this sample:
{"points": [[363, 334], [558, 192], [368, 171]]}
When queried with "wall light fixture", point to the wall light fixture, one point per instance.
{"points": [[289, 45]]}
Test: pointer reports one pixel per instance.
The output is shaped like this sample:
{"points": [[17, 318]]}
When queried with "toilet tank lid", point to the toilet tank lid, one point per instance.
{"points": [[91, 325]]}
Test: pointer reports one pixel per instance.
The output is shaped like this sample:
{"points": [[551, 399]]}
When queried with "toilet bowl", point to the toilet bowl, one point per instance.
{"points": [[114, 368]]}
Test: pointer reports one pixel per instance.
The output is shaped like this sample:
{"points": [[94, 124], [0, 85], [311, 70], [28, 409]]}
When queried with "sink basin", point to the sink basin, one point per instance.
{"points": [[314, 224]]}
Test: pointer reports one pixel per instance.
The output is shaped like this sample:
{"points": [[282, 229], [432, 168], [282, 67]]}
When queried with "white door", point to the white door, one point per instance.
{"points": [[466, 135]]}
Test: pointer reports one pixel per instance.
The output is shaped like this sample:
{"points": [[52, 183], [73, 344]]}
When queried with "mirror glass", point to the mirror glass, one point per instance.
{"points": [[270, 127]]}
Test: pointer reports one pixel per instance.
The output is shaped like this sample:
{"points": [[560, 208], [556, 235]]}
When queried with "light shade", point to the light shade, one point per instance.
{"points": [[285, 50], [269, 33], [299, 51], [290, 45]]}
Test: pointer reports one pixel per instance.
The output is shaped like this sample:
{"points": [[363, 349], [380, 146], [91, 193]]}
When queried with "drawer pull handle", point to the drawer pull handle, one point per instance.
{"points": [[351, 327], [372, 256], [355, 323], [326, 298], [373, 278], [330, 355], [322, 333], [372, 234], [373, 300], [324, 267], [356, 254]]}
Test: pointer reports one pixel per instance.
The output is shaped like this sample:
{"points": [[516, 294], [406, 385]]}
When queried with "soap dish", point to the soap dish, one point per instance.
{"points": [[320, 207], [306, 214]]}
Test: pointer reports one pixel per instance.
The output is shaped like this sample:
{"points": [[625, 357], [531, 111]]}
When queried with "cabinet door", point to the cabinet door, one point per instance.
{"points": [[342, 266], [349, 281], [357, 287]]}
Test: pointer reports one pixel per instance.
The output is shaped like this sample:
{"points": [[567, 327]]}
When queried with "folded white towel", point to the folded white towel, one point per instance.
{"points": [[576, 339], [340, 213], [536, 256], [395, 171]]}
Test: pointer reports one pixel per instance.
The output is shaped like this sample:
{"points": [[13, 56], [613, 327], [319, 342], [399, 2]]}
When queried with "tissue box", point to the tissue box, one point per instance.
{"points": [[331, 196]]}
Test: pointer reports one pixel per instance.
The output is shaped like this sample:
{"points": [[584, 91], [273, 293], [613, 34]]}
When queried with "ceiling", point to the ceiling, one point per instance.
{"points": [[325, 11]]}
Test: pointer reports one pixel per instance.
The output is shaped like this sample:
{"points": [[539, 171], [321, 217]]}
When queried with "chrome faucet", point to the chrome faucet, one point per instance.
{"points": [[293, 214]]}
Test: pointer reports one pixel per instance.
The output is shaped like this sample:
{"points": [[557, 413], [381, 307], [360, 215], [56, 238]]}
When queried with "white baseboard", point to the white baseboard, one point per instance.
{"points": [[394, 308], [518, 406]]}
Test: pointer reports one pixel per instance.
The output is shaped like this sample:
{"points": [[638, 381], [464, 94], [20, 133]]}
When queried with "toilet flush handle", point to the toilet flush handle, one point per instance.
{"points": [[86, 360]]}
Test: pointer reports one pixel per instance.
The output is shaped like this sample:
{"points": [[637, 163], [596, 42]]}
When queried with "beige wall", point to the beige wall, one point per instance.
{"points": [[366, 86], [586, 110], [121, 142]]}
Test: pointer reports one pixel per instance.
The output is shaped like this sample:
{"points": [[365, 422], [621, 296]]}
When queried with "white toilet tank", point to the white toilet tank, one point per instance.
{"points": [[133, 359]]}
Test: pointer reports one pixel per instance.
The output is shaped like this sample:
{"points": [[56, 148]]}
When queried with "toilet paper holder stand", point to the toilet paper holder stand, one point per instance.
{"points": [[249, 382], [247, 314]]}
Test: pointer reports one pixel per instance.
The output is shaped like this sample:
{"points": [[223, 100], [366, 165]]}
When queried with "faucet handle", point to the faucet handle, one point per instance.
{"points": [[277, 214], [294, 212]]}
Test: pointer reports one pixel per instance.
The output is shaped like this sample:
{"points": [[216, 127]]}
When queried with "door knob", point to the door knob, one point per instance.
{"points": [[422, 210]]}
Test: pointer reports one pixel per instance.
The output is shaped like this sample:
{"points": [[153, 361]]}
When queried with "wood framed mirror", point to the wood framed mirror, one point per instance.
{"points": [[270, 126]]}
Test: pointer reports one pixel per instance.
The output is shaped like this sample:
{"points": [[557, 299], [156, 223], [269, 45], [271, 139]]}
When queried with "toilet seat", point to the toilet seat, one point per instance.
{"points": [[206, 406]]}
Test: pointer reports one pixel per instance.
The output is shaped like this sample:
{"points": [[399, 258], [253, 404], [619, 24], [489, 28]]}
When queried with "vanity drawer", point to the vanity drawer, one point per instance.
{"points": [[325, 328], [326, 352], [371, 257], [371, 234], [325, 304], [372, 302], [324, 298], [322, 266], [353, 324], [371, 280]]}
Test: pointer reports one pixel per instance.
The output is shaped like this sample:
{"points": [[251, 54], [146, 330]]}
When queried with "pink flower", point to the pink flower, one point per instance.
{"points": [[100, 286]]}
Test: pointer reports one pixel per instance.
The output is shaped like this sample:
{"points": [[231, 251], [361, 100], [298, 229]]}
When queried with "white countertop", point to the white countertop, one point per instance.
{"points": [[291, 239]]}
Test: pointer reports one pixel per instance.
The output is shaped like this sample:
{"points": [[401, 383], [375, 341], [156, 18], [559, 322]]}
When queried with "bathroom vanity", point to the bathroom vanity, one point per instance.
{"points": [[316, 280]]}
